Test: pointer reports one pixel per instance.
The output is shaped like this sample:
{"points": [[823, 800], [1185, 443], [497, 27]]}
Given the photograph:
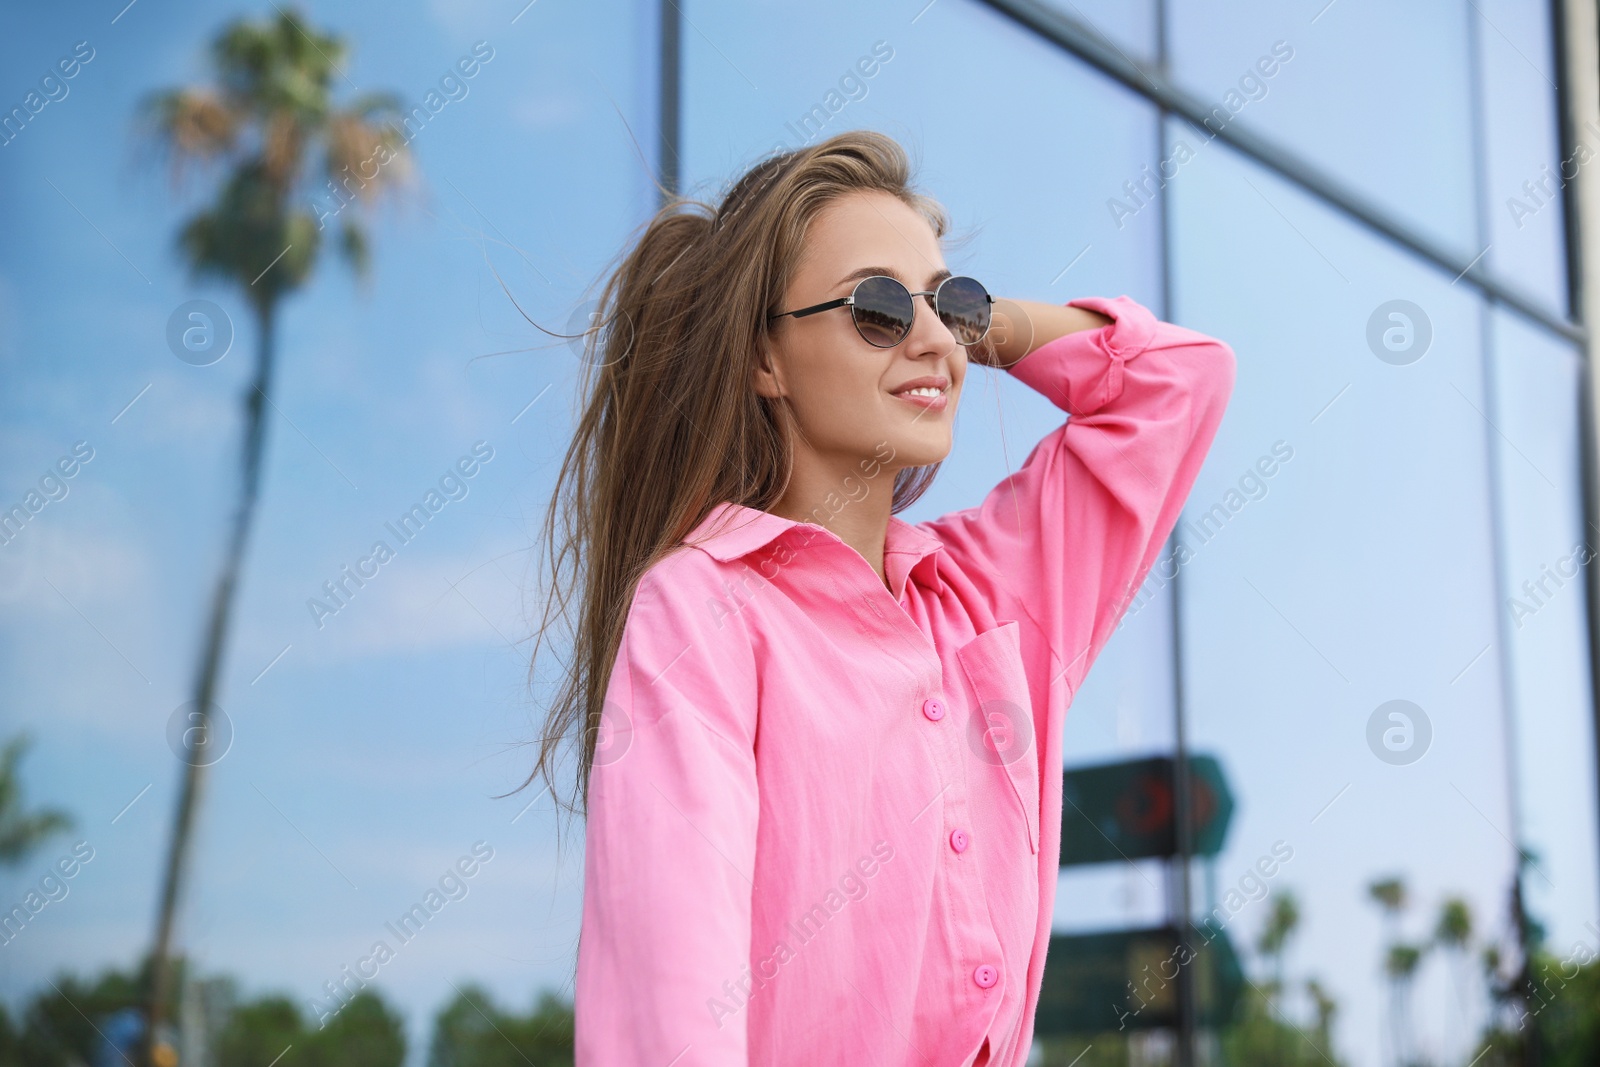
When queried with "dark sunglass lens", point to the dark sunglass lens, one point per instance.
{"points": [[964, 308], [882, 311]]}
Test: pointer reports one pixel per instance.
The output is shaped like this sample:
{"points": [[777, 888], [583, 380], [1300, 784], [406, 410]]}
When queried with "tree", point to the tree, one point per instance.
{"points": [[472, 1032], [366, 1033], [1566, 1015], [1326, 1008], [1452, 935], [22, 831], [1264, 1033], [1261, 1037], [1400, 965], [69, 1022], [257, 1033], [1391, 898], [270, 124], [1283, 919], [1390, 894], [73, 1022]]}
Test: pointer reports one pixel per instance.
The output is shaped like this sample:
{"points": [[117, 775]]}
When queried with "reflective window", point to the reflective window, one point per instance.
{"points": [[376, 394], [1038, 197], [1522, 174], [1546, 559], [1340, 74], [1335, 625], [1130, 27], [1056, 201]]}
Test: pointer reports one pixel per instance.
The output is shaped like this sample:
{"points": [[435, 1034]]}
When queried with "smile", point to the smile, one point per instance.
{"points": [[926, 397]]}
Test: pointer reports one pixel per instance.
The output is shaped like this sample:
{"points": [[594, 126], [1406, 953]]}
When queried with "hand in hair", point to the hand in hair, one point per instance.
{"points": [[1020, 326]]}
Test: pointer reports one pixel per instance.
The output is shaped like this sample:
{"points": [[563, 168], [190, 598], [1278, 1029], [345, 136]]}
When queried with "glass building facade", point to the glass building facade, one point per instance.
{"points": [[1393, 510], [1372, 635]]}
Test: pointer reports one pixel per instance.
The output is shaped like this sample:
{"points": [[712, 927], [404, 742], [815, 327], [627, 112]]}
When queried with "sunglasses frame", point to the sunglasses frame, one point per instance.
{"points": [[850, 302]]}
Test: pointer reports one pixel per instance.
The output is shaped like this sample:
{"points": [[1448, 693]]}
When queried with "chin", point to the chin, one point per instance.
{"points": [[919, 453]]}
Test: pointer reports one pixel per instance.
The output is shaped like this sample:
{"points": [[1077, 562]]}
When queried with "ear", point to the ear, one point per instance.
{"points": [[766, 377]]}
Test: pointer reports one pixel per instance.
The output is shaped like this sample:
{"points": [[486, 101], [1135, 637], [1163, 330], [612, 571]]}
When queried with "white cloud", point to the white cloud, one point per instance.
{"points": [[42, 570], [469, 17], [550, 111], [79, 643], [415, 603]]}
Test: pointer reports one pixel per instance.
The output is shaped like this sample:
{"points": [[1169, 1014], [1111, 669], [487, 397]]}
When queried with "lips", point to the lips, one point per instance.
{"points": [[930, 381], [930, 393]]}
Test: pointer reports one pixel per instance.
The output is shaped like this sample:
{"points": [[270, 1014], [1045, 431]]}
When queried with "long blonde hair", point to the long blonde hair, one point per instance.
{"points": [[671, 424]]}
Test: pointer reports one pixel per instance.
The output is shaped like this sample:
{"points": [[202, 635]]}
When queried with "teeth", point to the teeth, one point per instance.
{"points": [[926, 390]]}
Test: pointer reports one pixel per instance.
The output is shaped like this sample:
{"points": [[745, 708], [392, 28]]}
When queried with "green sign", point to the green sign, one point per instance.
{"points": [[1125, 811], [1128, 980]]}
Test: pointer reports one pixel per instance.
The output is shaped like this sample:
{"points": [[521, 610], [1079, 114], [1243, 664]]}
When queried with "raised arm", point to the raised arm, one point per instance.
{"points": [[670, 844], [1064, 543]]}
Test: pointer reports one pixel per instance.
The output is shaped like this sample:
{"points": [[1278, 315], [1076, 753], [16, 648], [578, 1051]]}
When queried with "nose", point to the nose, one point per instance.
{"points": [[929, 335]]}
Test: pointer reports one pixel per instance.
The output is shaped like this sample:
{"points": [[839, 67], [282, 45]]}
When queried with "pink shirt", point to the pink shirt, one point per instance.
{"points": [[824, 817]]}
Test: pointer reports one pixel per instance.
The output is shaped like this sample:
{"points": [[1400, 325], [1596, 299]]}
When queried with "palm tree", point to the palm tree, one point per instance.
{"points": [[1390, 895], [22, 831], [1452, 933], [1283, 919], [270, 124], [1400, 967], [1326, 1007]]}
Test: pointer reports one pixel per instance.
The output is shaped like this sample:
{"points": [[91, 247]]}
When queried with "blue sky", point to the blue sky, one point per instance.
{"points": [[365, 751]]}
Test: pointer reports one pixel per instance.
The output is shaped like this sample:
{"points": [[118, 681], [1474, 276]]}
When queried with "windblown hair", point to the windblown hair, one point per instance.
{"points": [[671, 424]]}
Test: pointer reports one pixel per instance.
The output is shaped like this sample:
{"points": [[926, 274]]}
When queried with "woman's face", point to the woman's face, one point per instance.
{"points": [[847, 395]]}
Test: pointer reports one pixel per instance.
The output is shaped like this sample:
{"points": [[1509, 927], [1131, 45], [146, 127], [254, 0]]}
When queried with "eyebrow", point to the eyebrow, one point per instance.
{"points": [[867, 272]]}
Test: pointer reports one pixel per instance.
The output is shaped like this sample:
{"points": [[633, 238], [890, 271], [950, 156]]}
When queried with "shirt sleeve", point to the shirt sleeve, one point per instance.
{"points": [[1068, 539], [670, 842]]}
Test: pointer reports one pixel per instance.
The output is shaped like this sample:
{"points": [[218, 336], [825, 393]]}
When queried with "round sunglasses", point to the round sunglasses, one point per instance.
{"points": [[883, 308]]}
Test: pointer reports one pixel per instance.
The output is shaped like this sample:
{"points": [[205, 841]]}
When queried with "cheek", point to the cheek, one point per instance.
{"points": [[834, 384]]}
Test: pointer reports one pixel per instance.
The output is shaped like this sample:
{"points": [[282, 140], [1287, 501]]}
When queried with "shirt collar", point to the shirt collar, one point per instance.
{"points": [[731, 531]]}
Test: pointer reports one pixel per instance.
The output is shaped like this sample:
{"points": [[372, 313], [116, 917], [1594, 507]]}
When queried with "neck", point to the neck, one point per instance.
{"points": [[837, 495]]}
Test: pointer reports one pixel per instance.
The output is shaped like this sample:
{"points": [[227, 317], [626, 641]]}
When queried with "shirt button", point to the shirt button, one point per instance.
{"points": [[985, 975], [958, 840], [933, 708]]}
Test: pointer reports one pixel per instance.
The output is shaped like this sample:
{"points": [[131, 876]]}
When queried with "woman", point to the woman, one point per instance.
{"points": [[820, 746]]}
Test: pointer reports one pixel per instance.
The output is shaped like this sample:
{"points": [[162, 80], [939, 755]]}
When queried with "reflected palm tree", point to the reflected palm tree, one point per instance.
{"points": [[1390, 895], [1400, 967], [1283, 918], [1326, 1008], [269, 124], [21, 831], [1452, 935]]}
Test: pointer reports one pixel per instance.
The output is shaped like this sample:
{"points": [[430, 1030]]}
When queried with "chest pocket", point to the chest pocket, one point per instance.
{"points": [[1000, 730]]}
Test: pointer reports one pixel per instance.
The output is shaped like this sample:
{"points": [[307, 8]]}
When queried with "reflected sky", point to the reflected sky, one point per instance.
{"points": [[366, 744]]}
